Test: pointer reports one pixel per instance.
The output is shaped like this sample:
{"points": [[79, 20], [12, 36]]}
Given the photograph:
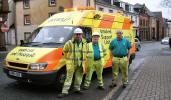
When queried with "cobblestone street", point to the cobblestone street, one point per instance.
{"points": [[152, 81]]}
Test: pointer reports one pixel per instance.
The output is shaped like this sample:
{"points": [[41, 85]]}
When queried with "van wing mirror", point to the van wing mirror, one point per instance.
{"points": [[21, 42]]}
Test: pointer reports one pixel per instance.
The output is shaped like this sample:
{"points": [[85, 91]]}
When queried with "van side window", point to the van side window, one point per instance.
{"points": [[87, 33]]}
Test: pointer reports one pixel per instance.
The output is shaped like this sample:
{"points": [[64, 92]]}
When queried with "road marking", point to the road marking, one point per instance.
{"points": [[111, 93]]}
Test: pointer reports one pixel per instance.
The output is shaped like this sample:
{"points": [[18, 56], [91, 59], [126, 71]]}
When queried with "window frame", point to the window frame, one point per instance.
{"points": [[1, 19], [144, 22], [50, 4], [110, 11], [25, 3], [25, 20], [26, 33], [101, 9]]}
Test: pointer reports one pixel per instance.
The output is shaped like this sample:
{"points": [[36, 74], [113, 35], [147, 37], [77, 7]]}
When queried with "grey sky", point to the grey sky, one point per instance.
{"points": [[153, 5]]}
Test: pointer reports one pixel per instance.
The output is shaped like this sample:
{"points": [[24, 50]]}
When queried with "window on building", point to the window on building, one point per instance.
{"points": [[114, 3], [26, 3], [120, 4], [88, 2], [27, 20], [130, 10], [0, 19], [101, 9], [51, 14], [52, 2], [144, 22], [123, 6], [26, 35], [131, 17], [110, 11], [127, 7], [141, 22]]}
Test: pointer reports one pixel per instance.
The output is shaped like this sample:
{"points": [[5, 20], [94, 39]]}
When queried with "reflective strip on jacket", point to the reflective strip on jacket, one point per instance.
{"points": [[90, 53], [69, 52]]}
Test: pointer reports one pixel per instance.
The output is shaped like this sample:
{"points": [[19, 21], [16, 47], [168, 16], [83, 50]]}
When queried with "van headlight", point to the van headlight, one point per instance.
{"points": [[38, 66]]}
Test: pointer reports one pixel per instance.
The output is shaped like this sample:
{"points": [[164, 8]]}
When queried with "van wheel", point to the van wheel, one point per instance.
{"points": [[61, 75]]}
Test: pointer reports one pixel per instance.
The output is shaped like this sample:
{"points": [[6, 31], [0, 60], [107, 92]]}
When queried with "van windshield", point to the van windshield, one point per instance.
{"points": [[52, 34]]}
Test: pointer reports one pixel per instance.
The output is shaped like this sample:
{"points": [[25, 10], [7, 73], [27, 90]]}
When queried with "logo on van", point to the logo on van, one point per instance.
{"points": [[59, 20]]}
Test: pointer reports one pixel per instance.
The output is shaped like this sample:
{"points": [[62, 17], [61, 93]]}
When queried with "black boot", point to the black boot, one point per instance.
{"points": [[85, 88], [124, 85], [78, 92], [62, 95], [100, 88]]}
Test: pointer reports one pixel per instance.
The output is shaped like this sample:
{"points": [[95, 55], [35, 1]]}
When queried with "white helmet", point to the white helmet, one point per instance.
{"points": [[119, 31], [95, 33], [78, 30]]}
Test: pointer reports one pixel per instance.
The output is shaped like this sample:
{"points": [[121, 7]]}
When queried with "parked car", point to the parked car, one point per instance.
{"points": [[137, 44], [165, 40]]}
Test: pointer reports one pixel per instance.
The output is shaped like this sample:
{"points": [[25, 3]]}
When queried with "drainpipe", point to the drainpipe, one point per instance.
{"points": [[15, 25]]}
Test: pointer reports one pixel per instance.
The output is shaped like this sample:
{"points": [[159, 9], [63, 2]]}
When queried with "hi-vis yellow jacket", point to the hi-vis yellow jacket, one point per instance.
{"points": [[90, 53], [69, 52]]}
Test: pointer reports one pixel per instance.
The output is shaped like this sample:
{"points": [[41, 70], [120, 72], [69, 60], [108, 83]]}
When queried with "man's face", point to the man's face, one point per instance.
{"points": [[78, 36], [95, 38], [119, 34]]}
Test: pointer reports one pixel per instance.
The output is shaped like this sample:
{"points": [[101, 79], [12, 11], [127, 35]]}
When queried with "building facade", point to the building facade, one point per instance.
{"points": [[169, 29], [128, 10], [29, 14], [152, 26], [165, 28], [159, 25], [107, 6], [10, 36], [4, 10], [143, 21]]}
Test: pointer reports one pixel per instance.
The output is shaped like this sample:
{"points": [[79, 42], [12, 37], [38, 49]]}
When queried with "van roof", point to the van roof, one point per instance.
{"points": [[88, 18]]}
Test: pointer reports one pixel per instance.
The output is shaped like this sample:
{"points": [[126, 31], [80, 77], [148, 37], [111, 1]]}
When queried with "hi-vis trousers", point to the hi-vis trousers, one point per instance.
{"points": [[97, 65], [121, 63], [78, 70]]}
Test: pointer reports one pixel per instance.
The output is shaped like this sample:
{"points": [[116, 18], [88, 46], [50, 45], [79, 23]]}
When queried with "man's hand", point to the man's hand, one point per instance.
{"points": [[129, 53], [111, 55]]}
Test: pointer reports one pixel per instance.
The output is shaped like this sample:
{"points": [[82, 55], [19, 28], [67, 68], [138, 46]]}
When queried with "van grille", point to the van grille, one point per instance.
{"points": [[18, 65]]}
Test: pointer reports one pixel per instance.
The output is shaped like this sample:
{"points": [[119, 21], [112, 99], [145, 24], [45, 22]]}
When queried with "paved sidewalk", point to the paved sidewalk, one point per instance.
{"points": [[4, 53], [9, 48], [153, 82]]}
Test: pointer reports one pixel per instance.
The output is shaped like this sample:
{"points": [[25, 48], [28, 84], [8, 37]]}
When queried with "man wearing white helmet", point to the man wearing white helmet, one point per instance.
{"points": [[75, 54], [95, 61]]}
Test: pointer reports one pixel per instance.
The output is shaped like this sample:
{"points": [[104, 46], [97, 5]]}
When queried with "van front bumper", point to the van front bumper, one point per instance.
{"points": [[42, 78]]}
